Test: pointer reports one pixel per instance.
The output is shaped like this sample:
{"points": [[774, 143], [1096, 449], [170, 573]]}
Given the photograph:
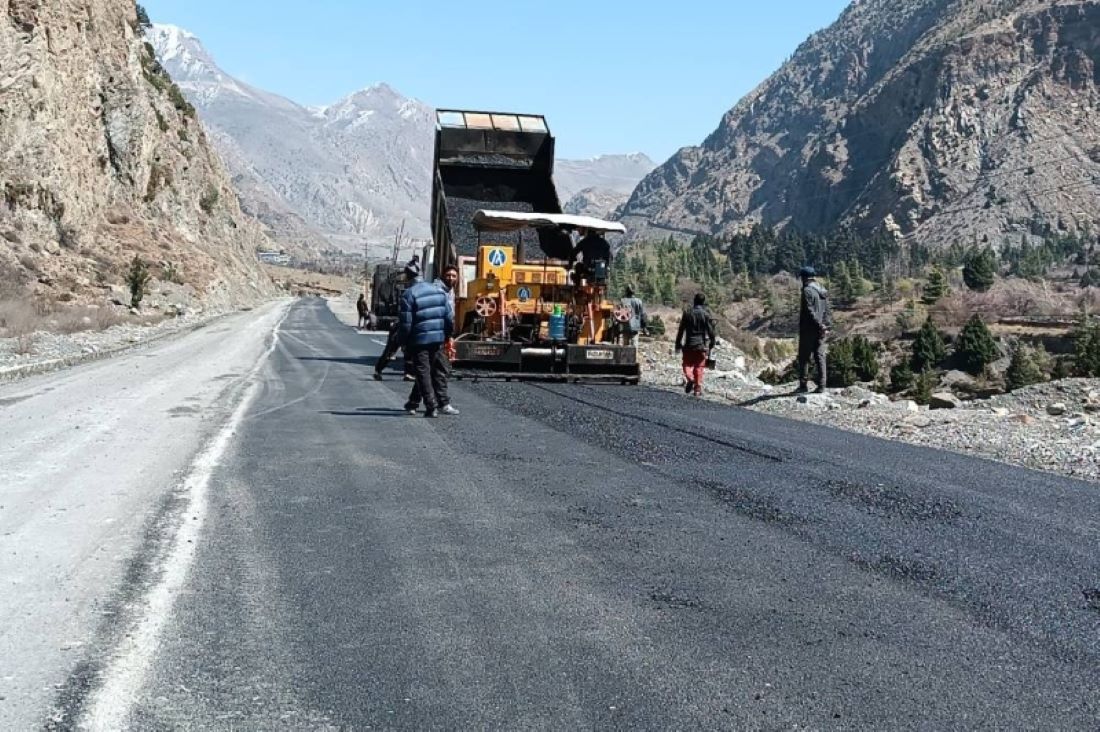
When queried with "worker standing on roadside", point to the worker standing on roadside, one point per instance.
{"points": [[814, 320], [441, 368], [637, 323], [426, 322], [364, 311], [696, 338]]}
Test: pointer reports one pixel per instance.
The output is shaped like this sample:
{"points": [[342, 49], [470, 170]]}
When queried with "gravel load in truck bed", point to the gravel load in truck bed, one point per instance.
{"points": [[460, 213]]}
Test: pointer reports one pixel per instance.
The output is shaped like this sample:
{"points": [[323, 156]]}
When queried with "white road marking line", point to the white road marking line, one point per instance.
{"points": [[109, 707]]}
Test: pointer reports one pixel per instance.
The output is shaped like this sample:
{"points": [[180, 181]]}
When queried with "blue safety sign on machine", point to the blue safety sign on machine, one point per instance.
{"points": [[497, 257], [524, 294]]}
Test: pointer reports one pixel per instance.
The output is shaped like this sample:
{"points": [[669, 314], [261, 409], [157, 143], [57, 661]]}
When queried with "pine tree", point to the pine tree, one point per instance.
{"points": [[901, 377], [936, 287], [841, 365], [138, 280], [923, 386], [841, 283], [976, 347], [928, 348], [1024, 369], [1089, 279], [864, 358], [1087, 349], [980, 270]]}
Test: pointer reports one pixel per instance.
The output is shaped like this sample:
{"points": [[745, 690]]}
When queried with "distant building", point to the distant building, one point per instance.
{"points": [[274, 258]]}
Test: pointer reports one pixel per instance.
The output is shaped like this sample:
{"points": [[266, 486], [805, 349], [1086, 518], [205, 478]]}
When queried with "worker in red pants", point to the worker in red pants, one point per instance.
{"points": [[696, 339]]}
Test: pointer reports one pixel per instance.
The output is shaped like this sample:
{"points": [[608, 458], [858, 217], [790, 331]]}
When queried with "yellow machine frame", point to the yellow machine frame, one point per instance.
{"points": [[504, 288]]}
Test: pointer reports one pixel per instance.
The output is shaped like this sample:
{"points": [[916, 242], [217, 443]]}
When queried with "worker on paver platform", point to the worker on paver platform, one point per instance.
{"points": [[696, 338], [441, 369], [637, 323], [427, 320], [814, 320], [591, 248]]}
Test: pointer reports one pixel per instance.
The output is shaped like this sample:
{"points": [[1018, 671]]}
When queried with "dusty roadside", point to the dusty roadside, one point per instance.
{"points": [[94, 470]]}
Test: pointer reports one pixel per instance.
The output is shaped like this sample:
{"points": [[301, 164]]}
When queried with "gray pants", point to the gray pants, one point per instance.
{"points": [[432, 369], [812, 346], [628, 338]]}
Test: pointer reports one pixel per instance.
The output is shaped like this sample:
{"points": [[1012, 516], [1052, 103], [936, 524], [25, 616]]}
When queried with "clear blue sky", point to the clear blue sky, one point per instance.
{"points": [[611, 77]]}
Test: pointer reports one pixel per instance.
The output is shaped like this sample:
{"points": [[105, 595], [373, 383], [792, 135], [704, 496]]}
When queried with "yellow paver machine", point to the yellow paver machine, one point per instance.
{"points": [[522, 310]]}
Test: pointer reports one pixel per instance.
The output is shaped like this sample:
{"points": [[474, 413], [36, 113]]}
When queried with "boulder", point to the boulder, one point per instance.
{"points": [[906, 405], [1056, 409], [943, 400]]}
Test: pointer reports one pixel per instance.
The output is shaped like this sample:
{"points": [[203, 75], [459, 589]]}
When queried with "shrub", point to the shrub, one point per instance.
{"points": [[655, 326], [865, 359], [138, 280], [169, 272], [143, 22], [976, 347], [179, 101], [923, 386], [1087, 349], [841, 365], [1060, 369], [1024, 370], [209, 200], [980, 270], [928, 348], [911, 317], [901, 377]]}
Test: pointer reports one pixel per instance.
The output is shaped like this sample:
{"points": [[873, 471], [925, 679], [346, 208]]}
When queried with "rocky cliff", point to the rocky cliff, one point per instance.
{"points": [[941, 120], [101, 159]]}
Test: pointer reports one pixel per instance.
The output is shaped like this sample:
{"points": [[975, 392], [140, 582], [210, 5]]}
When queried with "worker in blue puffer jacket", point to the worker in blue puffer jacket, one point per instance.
{"points": [[427, 320]]}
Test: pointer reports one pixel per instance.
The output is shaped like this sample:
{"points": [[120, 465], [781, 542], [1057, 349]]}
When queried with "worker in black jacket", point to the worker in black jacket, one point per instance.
{"points": [[814, 321], [696, 338]]}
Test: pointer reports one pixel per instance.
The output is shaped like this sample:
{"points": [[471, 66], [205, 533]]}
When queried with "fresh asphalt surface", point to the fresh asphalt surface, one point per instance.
{"points": [[574, 557]]}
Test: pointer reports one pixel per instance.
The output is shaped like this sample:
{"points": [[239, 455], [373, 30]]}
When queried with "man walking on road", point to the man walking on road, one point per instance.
{"points": [[696, 338], [814, 320], [441, 369], [426, 322], [637, 322], [394, 340], [364, 311]]}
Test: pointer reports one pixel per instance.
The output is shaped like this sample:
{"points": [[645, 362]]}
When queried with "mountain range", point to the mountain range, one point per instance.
{"points": [[354, 171], [941, 121]]}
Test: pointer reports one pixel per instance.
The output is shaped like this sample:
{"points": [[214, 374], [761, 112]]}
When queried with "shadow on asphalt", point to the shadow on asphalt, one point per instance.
{"points": [[357, 361], [368, 412], [767, 398]]}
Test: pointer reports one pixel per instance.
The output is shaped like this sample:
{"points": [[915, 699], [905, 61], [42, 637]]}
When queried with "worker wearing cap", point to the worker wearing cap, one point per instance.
{"points": [[393, 340], [637, 323], [814, 320]]}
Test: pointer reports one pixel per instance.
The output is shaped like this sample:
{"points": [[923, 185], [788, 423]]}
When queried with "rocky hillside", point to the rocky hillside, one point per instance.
{"points": [[944, 120], [101, 158]]}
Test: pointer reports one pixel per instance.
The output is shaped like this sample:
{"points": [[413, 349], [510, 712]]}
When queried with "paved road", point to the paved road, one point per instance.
{"points": [[596, 557], [90, 460]]}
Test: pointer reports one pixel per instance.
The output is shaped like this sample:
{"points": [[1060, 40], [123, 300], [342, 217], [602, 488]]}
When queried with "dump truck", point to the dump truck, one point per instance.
{"points": [[387, 286], [521, 312]]}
